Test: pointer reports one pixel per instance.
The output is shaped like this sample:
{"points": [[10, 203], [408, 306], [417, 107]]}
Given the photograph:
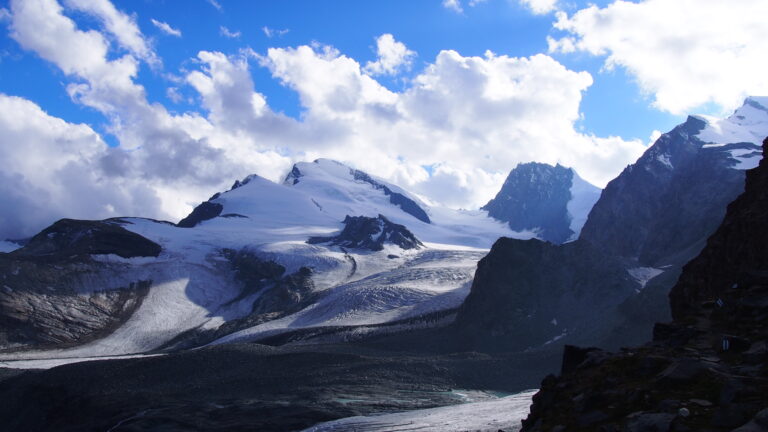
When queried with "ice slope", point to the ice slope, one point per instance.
{"points": [[427, 281], [505, 413], [584, 195], [193, 283], [748, 124]]}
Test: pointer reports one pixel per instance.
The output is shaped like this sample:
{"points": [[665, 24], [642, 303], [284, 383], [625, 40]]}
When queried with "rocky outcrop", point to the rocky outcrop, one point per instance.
{"points": [[708, 369], [43, 304], [68, 237], [535, 196], [274, 293], [528, 293], [362, 232], [55, 293], [203, 212]]}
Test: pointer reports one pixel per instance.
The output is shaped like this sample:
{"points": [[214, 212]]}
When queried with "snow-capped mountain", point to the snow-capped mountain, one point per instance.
{"points": [[551, 200], [649, 221], [329, 248], [675, 195]]}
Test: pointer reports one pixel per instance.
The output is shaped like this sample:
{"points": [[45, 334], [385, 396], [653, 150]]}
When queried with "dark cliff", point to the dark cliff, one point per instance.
{"points": [[705, 371]]}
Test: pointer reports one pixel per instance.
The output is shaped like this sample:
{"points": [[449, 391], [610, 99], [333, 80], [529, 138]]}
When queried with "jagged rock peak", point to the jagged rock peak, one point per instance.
{"points": [[362, 232], [552, 200]]}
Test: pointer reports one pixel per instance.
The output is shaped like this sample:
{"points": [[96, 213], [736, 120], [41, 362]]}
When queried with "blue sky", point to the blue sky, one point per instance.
{"points": [[113, 107], [613, 105]]}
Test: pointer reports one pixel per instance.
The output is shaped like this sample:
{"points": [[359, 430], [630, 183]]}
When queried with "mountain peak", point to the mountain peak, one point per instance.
{"points": [[748, 124], [327, 174], [552, 200]]}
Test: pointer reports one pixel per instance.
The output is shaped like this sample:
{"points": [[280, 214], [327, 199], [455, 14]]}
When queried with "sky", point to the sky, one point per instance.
{"points": [[148, 107]]}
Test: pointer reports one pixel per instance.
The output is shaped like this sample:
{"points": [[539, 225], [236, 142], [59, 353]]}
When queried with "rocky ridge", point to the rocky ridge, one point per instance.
{"points": [[362, 232], [649, 221], [707, 370]]}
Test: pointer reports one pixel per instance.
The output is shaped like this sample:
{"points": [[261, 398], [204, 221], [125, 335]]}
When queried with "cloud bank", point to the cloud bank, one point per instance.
{"points": [[683, 53], [451, 134]]}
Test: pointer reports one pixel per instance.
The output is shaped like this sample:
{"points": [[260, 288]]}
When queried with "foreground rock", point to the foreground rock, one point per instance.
{"points": [[529, 293], [705, 371]]}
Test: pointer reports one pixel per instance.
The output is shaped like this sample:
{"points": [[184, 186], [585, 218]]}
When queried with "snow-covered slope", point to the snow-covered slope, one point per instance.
{"points": [[748, 124], [241, 267]]}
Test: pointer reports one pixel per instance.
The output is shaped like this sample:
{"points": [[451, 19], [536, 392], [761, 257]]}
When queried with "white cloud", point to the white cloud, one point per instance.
{"points": [[471, 119], [270, 32], [55, 174], [123, 27], [176, 157], [540, 7], [462, 113], [166, 28], [454, 5], [227, 33], [393, 56], [215, 4], [685, 53]]}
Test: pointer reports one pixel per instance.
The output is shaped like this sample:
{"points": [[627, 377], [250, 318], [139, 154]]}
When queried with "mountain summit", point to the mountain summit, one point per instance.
{"points": [[551, 200]]}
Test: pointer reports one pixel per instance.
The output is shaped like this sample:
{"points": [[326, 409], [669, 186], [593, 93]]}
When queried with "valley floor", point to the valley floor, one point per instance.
{"points": [[255, 387]]}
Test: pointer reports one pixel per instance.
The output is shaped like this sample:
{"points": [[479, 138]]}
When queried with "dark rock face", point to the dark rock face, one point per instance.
{"points": [[529, 292], [406, 204], [279, 295], [69, 237], [661, 209], [362, 232], [656, 213], [708, 369], [736, 255], [43, 302], [211, 209], [535, 196], [203, 212]]}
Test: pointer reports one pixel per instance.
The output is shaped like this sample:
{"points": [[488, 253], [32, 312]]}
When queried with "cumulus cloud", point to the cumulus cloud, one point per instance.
{"points": [[176, 157], [123, 27], [461, 113], [683, 53], [51, 170], [451, 135], [166, 28], [393, 56], [229, 34]]}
